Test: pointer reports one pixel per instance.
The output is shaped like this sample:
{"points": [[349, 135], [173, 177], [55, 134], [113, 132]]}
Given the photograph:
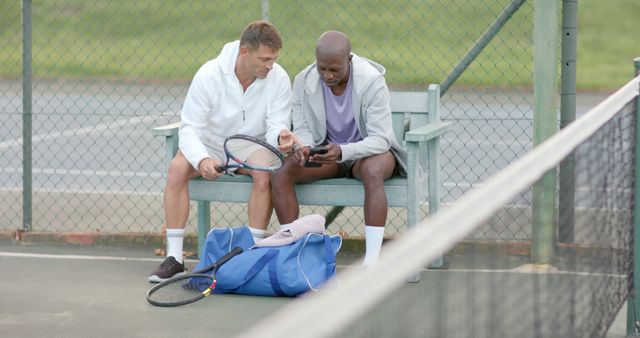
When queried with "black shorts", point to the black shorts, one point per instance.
{"points": [[345, 169]]}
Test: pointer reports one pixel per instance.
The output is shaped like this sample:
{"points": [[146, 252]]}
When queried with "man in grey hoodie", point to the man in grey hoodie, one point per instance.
{"points": [[342, 102]]}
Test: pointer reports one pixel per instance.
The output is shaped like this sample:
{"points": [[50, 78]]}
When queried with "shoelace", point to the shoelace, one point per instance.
{"points": [[170, 263]]}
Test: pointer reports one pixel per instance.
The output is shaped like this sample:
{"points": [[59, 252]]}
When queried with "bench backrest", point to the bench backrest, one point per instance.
{"points": [[412, 109]]}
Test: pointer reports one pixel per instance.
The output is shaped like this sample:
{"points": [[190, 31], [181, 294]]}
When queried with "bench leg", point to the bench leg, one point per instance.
{"points": [[433, 182], [204, 222], [412, 218], [413, 209], [332, 215]]}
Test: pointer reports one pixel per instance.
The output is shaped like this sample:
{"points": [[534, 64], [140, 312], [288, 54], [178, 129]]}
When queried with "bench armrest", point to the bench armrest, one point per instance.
{"points": [[427, 132], [170, 134], [166, 130]]}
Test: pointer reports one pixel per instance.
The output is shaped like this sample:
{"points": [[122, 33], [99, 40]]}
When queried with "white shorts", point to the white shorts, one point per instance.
{"points": [[218, 153]]}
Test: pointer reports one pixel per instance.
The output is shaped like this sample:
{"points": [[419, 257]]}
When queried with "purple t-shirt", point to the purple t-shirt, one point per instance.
{"points": [[341, 125]]}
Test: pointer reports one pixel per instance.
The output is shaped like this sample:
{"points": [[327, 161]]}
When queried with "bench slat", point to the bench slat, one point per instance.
{"points": [[166, 130], [409, 102], [236, 189]]}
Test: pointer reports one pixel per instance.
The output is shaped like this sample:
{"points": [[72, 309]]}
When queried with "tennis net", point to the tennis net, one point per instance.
{"points": [[498, 288]]}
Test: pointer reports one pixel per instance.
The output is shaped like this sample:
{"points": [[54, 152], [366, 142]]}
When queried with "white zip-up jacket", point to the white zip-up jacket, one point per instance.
{"points": [[216, 106]]}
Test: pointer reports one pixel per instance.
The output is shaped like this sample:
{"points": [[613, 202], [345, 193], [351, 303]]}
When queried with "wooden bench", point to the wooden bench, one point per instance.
{"points": [[416, 123]]}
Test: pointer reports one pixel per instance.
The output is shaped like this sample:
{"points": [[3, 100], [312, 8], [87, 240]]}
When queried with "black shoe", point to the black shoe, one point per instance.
{"points": [[169, 268]]}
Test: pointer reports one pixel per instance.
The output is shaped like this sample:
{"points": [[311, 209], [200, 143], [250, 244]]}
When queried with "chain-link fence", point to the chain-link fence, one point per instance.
{"points": [[106, 72]]}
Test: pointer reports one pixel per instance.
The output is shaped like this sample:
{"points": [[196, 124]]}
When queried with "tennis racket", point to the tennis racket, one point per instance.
{"points": [[250, 153], [188, 288]]}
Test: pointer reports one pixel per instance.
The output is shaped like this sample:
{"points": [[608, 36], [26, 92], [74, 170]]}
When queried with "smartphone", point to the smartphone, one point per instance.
{"points": [[313, 151]]}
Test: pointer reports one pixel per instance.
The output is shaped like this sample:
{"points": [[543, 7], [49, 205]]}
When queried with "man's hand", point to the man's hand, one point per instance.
{"points": [[207, 168], [288, 141], [333, 154]]}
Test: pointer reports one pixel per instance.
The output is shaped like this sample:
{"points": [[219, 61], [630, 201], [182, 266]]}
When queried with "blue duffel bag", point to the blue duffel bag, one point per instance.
{"points": [[221, 241], [286, 270]]}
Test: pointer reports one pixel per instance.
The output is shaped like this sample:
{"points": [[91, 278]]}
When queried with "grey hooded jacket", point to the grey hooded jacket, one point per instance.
{"points": [[371, 109]]}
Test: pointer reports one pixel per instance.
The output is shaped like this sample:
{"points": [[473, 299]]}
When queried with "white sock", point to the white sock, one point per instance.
{"points": [[174, 243], [373, 241], [284, 226], [257, 234]]}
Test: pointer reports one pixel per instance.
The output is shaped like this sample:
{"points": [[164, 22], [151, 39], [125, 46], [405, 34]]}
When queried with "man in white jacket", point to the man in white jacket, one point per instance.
{"points": [[342, 103], [242, 91]]}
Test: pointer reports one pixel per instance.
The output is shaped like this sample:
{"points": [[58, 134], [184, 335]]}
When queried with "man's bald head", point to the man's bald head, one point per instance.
{"points": [[333, 60], [333, 43]]}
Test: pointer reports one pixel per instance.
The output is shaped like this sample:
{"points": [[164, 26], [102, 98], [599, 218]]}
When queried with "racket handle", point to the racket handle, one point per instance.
{"points": [[219, 168], [236, 251]]}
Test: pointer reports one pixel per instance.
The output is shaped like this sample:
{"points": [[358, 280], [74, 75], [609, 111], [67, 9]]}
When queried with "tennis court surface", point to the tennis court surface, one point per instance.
{"points": [[55, 291]]}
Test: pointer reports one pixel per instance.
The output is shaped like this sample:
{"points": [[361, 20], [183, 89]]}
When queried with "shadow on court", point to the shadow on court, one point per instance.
{"points": [[52, 291]]}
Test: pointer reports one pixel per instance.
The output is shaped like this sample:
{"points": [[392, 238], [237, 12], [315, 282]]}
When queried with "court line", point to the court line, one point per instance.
{"points": [[83, 191], [78, 257], [80, 131], [526, 269], [83, 172], [518, 270]]}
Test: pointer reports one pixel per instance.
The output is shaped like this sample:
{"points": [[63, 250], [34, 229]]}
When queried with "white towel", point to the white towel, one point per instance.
{"points": [[295, 230]]}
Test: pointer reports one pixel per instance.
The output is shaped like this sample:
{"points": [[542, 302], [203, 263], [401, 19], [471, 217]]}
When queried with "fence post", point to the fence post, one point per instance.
{"points": [[633, 303], [484, 40], [545, 45], [26, 116], [566, 195]]}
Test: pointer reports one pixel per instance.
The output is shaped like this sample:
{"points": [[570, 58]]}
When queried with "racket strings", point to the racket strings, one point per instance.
{"points": [[253, 154], [181, 290]]}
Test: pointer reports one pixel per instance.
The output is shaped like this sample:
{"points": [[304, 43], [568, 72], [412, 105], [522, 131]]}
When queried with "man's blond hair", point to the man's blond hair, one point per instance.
{"points": [[261, 33]]}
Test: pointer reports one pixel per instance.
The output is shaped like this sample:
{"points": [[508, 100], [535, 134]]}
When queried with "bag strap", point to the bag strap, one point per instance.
{"points": [[273, 278], [269, 259], [329, 257], [271, 254], [258, 265]]}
